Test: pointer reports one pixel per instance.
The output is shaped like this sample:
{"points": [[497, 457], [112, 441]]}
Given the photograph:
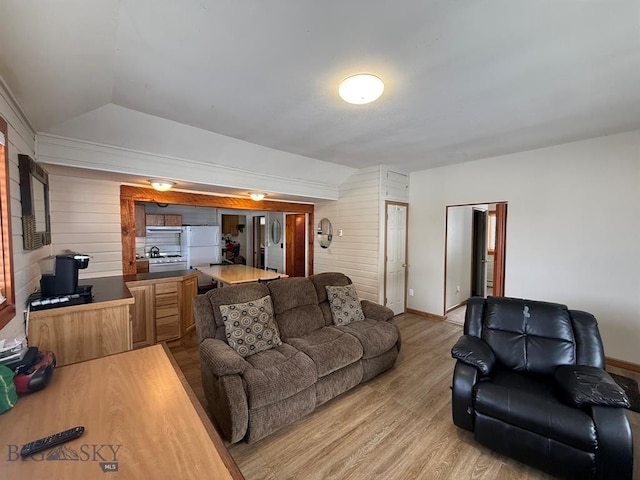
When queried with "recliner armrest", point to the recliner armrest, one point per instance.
{"points": [[473, 351], [585, 385], [375, 311], [221, 358]]}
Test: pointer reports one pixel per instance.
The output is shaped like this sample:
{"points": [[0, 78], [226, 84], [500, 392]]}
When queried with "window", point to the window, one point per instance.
{"points": [[7, 300], [491, 232]]}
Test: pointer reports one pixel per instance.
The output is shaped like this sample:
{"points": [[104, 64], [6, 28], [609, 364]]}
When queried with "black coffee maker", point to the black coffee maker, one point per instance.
{"points": [[60, 275]]}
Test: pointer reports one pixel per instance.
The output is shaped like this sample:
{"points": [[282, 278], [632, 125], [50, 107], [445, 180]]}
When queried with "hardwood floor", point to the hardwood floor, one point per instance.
{"points": [[396, 426]]}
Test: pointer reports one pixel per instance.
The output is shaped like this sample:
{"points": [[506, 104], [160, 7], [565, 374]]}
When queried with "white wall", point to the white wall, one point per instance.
{"points": [[459, 255], [21, 139], [572, 228]]}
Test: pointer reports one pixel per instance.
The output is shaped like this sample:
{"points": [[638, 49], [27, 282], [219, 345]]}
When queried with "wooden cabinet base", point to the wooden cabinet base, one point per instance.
{"points": [[77, 334]]}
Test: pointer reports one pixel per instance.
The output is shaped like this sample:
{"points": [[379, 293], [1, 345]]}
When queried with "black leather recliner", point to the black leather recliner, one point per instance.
{"points": [[530, 383]]}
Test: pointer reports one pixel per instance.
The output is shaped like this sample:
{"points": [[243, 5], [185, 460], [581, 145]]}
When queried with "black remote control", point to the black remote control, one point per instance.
{"points": [[50, 441]]}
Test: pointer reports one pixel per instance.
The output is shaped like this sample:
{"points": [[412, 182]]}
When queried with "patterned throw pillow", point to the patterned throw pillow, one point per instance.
{"points": [[345, 305], [250, 326]]}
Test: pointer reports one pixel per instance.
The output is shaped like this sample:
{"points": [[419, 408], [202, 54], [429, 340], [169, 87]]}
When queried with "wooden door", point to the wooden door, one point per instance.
{"points": [[142, 313], [295, 244]]}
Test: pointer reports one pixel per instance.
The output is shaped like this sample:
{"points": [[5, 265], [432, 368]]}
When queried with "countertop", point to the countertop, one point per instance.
{"points": [[112, 291]]}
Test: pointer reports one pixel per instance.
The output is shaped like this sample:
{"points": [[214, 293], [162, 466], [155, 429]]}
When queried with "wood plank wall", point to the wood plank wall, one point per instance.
{"points": [[359, 213], [85, 218], [21, 140]]}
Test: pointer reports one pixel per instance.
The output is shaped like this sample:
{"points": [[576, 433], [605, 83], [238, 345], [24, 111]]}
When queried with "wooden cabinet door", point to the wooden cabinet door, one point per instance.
{"points": [[230, 225], [173, 220], [167, 311], [189, 291], [141, 221], [142, 313], [155, 220]]}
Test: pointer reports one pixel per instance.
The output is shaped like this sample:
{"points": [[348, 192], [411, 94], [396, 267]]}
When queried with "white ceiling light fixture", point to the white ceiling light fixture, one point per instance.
{"points": [[161, 185], [257, 196], [361, 88]]}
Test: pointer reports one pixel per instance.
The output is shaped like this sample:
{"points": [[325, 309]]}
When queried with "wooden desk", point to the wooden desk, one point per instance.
{"points": [[141, 417], [233, 274]]}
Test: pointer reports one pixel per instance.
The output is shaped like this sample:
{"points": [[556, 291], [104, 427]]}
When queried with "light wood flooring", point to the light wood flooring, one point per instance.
{"points": [[396, 426]]}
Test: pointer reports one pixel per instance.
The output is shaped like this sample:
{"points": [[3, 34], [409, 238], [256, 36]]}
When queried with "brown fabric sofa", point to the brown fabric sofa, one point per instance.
{"points": [[254, 396]]}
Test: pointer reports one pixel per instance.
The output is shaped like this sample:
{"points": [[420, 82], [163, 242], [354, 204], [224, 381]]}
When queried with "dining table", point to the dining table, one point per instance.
{"points": [[227, 275]]}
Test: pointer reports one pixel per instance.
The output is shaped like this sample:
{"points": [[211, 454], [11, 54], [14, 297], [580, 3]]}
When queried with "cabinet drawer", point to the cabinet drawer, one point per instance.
{"points": [[167, 287], [166, 300]]}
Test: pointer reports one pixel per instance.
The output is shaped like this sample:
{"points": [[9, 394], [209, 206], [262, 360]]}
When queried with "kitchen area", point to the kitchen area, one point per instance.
{"points": [[181, 237]]}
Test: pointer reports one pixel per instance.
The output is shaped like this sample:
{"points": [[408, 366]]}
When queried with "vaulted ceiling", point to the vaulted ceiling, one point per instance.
{"points": [[465, 79]]}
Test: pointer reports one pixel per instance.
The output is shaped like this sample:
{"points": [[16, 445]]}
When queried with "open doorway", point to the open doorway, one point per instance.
{"points": [[475, 248], [259, 223]]}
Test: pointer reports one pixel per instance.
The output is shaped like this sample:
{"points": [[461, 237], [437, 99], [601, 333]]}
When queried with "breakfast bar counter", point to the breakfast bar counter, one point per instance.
{"points": [[126, 311]]}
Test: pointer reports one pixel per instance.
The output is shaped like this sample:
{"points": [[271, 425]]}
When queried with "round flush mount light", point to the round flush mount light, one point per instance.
{"points": [[161, 185], [361, 88], [257, 196]]}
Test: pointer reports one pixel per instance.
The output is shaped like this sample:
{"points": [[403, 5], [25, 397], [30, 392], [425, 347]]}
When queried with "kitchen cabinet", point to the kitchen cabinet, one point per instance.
{"points": [[142, 266], [167, 311], [143, 316], [230, 224], [141, 221], [77, 333], [189, 291], [158, 220], [163, 309]]}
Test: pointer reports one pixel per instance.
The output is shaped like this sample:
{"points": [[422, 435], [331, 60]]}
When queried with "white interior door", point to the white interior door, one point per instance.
{"points": [[396, 263]]}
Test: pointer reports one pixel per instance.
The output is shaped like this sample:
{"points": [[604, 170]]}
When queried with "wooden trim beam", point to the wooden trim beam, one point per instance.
{"points": [[614, 362], [130, 194]]}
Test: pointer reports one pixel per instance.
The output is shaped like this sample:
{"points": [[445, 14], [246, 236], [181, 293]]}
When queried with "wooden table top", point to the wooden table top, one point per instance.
{"points": [[232, 274], [141, 419]]}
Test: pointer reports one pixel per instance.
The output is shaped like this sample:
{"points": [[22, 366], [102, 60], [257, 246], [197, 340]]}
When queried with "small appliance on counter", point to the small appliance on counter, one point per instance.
{"points": [[59, 282]]}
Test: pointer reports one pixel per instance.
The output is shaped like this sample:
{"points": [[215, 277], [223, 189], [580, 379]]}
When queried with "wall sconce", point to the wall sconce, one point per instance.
{"points": [[257, 196], [161, 185]]}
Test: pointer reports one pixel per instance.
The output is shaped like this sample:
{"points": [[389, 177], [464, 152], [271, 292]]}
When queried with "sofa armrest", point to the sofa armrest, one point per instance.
{"points": [[473, 351], [221, 358], [375, 311], [583, 385]]}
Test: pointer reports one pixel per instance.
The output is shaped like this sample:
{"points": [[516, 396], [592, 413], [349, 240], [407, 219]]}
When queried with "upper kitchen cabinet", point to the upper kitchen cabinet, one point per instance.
{"points": [[141, 221], [157, 220], [230, 225]]}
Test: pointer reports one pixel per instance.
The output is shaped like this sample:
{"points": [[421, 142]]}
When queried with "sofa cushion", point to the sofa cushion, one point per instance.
{"points": [[330, 349], [345, 304], [206, 308], [320, 281], [530, 403], [250, 327], [374, 336], [295, 305], [277, 374]]}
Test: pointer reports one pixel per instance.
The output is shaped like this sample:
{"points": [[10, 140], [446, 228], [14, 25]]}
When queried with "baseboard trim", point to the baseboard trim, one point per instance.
{"points": [[432, 316], [464, 302], [614, 362]]}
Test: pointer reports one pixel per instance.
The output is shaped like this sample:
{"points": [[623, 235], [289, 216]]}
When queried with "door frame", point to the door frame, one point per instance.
{"points": [[406, 249], [499, 259]]}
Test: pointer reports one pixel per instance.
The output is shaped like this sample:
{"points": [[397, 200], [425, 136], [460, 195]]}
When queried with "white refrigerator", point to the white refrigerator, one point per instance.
{"points": [[201, 245]]}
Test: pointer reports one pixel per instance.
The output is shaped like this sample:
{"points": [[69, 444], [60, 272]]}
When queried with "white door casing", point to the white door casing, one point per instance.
{"points": [[396, 254]]}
